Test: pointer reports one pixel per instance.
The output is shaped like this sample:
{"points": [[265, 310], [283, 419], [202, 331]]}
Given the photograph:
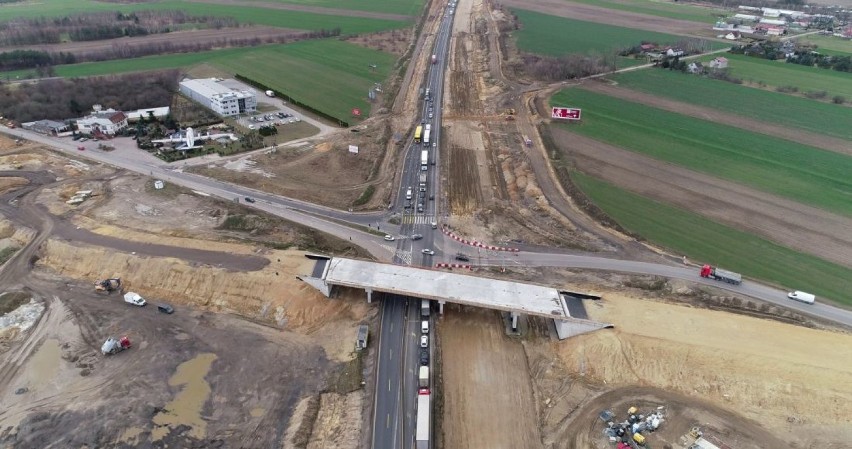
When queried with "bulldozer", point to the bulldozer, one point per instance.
{"points": [[108, 285]]}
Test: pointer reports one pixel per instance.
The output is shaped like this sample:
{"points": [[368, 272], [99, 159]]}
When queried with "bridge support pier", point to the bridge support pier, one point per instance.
{"points": [[441, 307], [514, 318], [369, 295]]}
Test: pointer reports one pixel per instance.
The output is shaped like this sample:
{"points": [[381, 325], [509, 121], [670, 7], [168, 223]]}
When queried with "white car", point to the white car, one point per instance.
{"points": [[251, 126], [134, 298], [428, 252], [389, 238], [424, 341]]}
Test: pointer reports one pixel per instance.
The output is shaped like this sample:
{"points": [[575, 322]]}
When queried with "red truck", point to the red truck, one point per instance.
{"points": [[719, 274]]}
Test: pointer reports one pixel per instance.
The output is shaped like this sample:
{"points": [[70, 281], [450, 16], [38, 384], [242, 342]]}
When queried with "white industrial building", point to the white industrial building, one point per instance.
{"points": [[219, 98]]}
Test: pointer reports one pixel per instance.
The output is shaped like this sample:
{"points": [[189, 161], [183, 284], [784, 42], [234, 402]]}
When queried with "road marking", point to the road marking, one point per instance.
{"points": [[387, 423], [389, 388], [390, 352]]}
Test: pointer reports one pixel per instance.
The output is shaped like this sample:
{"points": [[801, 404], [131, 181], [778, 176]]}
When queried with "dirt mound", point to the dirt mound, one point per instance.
{"points": [[8, 184], [272, 295], [784, 377]]}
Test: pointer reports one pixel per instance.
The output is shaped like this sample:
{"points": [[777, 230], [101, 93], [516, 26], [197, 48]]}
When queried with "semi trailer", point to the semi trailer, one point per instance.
{"points": [[719, 274]]}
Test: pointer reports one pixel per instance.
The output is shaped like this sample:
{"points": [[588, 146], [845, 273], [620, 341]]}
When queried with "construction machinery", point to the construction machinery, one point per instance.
{"points": [[115, 345], [108, 285]]}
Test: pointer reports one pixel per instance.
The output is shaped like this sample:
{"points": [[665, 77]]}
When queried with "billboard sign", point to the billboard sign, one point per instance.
{"points": [[565, 113]]}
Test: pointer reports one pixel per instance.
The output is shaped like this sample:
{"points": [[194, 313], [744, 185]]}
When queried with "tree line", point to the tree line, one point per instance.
{"points": [[43, 61], [102, 25], [60, 99]]}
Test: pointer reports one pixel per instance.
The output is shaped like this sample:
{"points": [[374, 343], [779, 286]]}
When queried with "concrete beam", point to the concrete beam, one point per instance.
{"points": [[316, 283], [566, 328]]}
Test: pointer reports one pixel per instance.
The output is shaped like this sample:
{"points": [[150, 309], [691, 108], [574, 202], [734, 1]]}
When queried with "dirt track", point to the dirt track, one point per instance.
{"points": [[177, 38], [789, 223], [726, 118], [608, 16]]}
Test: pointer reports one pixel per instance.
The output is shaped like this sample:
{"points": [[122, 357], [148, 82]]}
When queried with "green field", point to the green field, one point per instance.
{"points": [[660, 9], [795, 112], [406, 7], [558, 36], [706, 241], [330, 75], [830, 45], [780, 73], [805, 174], [243, 14]]}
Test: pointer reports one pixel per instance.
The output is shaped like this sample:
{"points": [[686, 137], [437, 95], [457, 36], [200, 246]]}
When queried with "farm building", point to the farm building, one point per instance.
{"points": [[108, 121], [49, 127], [218, 98]]}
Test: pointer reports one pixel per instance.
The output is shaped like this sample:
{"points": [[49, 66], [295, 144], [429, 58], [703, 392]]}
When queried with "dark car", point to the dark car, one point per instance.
{"points": [[249, 200], [424, 356], [165, 308], [462, 257]]}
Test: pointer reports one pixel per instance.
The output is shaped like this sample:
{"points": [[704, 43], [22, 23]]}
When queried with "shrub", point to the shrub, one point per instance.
{"points": [[838, 99]]}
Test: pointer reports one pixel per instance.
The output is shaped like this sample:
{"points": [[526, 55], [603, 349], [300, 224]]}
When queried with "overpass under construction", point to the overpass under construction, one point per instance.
{"points": [[564, 308]]}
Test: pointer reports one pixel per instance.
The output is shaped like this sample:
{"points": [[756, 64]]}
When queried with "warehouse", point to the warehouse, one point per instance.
{"points": [[219, 98]]}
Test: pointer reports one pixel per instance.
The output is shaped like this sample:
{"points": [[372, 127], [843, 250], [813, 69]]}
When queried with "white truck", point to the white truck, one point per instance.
{"points": [[426, 135], [134, 298], [424, 160], [422, 183], [423, 427], [806, 298], [423, 377]]}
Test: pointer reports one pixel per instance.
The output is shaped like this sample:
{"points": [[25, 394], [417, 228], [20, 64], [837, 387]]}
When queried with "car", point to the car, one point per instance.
{"points": [[419, 208], [434, 144], [423, 121], [434, 225], [249, 200], [165, 308], [81, 148], [424, 341], [389, 238], [408, 204], [135, 299], [251, 126], [431, 115], [462, 257], [416, 236], [281, 115], [424, 357], [427, 252]]}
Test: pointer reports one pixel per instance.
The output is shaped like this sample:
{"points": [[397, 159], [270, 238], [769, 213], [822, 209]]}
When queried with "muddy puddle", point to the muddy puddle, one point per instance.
{"points": [[44, 364], [185, 408]]}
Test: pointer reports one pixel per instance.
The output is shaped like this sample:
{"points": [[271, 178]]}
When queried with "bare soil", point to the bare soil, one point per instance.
{"points": [[487, 391], [190, 37], [608, 16], [393, 41], [726, 118], [796, 225], [307, 8]]}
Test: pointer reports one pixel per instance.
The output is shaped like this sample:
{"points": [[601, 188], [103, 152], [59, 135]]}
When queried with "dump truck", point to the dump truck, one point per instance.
{"points": [[719, 274], [423, 377], [423, 427], [108, 285], [115, 345]]}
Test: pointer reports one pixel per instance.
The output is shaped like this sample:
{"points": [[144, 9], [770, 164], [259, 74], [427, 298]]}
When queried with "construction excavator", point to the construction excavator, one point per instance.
{"points": [[108, 285]]}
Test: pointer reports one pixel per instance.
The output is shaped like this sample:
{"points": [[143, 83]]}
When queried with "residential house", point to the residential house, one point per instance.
{"points": [[695, 68], [675, 52], [101, 121], [48, 127], [719, 63]]}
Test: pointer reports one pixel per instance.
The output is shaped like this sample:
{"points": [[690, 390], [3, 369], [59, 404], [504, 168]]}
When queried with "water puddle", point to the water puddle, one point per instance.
{"points": [[43, 366], [186, 406]]}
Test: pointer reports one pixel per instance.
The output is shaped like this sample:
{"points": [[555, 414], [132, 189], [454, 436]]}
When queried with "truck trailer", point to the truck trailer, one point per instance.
{"points": [[423, 185], [424, 158], [422, 433], [719, 274], [423, 377]]}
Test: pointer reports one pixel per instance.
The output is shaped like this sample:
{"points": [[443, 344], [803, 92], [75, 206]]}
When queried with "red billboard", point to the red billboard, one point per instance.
{"points": [[565, 113]]}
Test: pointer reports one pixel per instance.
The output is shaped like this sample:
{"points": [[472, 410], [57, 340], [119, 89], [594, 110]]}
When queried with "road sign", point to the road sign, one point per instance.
{"points": [[565, 113], [356, 112]]}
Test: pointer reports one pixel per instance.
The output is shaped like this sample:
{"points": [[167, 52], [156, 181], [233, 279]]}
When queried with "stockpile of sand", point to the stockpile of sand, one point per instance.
{"points": [[272, 294], [780, 375]]}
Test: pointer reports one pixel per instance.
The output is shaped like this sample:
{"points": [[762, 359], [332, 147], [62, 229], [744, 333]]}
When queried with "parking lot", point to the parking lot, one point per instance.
{"points": [[260, 119]]}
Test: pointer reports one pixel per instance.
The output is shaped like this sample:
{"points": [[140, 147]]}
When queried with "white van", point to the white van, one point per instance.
{"points": [[802, 296], [424, 327], [134, 298], [408, 194]]}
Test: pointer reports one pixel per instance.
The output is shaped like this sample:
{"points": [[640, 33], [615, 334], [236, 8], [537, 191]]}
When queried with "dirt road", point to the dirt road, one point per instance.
{"points": [[795, 225], [488, 397], [723, 117]]}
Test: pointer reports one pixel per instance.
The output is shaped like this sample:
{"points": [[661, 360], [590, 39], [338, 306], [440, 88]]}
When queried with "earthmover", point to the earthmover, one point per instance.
{"points": [[108, 285], [114, 345]]}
